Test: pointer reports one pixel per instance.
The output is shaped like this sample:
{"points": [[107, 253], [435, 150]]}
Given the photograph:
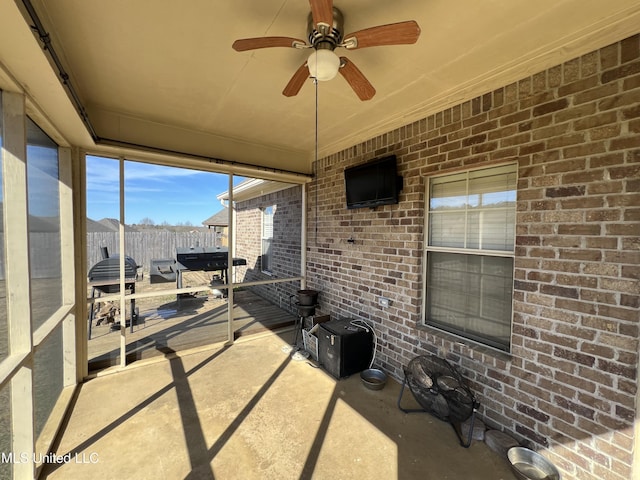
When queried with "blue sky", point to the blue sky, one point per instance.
{"points": [[163, 194]]}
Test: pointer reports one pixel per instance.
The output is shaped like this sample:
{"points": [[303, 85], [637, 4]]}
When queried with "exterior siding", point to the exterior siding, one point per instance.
{"points": [[570, 382]]}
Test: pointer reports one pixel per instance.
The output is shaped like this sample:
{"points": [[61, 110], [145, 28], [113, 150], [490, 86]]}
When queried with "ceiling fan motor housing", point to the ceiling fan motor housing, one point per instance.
{"points": [[327, 37]]}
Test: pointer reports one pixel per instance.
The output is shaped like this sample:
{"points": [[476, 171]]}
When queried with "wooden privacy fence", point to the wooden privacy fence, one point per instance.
{"points": [[144, 246], [44, 255]]}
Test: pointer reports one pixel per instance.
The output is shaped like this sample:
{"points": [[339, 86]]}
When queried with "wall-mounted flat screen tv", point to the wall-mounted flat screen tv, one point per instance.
{"points": [[373, 183]]}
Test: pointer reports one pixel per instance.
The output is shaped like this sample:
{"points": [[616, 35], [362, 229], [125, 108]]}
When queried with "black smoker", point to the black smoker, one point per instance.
{"points": [[104, 277], [307, 303]]}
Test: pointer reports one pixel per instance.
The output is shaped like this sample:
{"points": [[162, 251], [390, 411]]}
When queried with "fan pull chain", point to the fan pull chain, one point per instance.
{"points": [[315, 82], [317, 168]]}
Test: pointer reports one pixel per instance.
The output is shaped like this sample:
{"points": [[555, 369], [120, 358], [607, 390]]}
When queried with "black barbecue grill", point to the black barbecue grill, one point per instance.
{"points": [[104, 277], [106, 273], [208, 259]]}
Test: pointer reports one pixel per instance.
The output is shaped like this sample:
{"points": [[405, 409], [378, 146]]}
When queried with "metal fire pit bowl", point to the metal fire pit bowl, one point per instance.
{"points": [[306, 310], [529, 465], [373, 378], [307, 297]]}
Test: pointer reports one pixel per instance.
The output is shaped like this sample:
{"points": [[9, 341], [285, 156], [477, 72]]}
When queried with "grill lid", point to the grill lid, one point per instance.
{"points": [[109, 269]]}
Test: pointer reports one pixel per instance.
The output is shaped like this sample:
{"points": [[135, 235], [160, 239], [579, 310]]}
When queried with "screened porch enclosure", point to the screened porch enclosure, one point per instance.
{"points": [[185, 294]]}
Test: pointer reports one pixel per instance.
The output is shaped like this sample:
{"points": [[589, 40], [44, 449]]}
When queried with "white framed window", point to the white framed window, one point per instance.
{"points": [[267, 238], [469, 250]]}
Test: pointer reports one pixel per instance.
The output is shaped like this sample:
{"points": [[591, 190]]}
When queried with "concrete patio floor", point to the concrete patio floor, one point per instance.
{"points": [[251, 412]]}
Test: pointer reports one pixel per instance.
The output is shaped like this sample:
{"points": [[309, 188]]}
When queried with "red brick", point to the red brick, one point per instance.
{"points": [[580, 254], [575, 357], [603, 216], [576, 112], [625, 143], [583, 202], [586, 229], [629, 49], [558, 291], [595, 121], [622, 100], [580, 410], [565, 191], [603, 91], [621, 72], [550, 107], [579, 86], [631, 112]]}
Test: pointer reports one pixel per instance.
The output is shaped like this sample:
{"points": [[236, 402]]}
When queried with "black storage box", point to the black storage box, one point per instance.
{"points": [[344, 349]]}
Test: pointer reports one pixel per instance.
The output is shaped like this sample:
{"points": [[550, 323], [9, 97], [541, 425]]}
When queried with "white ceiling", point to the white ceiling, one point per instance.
{"points": [[162, 74]]}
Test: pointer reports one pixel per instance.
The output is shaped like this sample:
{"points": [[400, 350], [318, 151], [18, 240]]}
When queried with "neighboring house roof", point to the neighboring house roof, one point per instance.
{"points": [[113, 225], [36, 224], [93, 226], [254, 188], [44, 224], [220, 219]]}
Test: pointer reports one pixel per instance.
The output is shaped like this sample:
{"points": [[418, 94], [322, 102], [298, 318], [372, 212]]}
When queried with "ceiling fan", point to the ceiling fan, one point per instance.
{"points": [[325, 34]]}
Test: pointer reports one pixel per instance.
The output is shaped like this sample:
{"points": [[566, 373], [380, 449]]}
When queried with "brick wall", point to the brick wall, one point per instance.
{"points": [[285, 247], [570, 382]]}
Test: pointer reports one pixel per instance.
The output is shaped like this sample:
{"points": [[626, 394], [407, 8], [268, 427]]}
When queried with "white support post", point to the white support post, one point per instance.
{"points": [[230, 253], [18, 285], [80, 253], [123, 318], [68, 264]]}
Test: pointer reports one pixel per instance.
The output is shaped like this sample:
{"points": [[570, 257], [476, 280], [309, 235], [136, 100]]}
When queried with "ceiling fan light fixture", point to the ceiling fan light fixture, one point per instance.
{"points": [[323, 64]]}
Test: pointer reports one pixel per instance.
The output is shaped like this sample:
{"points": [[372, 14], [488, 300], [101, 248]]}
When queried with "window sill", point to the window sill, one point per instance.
{"points": [[467, 348]]}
